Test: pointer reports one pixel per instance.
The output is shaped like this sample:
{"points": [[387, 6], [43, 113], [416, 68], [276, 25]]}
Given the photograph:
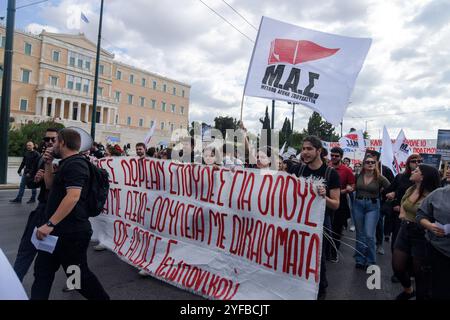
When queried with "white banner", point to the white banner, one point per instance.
{"points": [[401, 151], [222, 235], [304, 66], [387, 153], [353, 141]]}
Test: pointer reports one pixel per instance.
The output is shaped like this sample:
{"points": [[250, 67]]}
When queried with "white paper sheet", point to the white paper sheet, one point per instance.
{"points": [[48, 244]]}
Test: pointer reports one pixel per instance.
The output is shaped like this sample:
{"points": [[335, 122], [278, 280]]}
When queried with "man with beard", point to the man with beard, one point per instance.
{"points": [[27, 251], [315, 167], [140, 150], [67, 216], [347, 180]]}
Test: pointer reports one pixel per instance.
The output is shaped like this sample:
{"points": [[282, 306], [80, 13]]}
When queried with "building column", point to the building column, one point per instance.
{"points": [[44, 106], [61, 109], [71, 110], [36, 106], [108, 116], [86, 113], [53, 110], [78, 111]]}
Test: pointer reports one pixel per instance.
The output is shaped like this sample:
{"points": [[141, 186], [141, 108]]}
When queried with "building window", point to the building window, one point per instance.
{"points": [[26, 76], [54, 81], [143, 82], [117, 118], [28, 49], [130, 99], [100, 91], [72, 61], [87, 65], [174, 91], [182, 110], [153, 104], [162, 125], [165, 87], [182, 93], [141, 122], [101, 69], [56, 56], [86, 85], [152, 123], [2, 41], [163, 106], [154, 85], [23, 104], [80, 63], [118, 75], [131, 78], [1, 71], [173, 108], [70, 80], [142, 101], [78, 83], [117, 96], [171, 127], [129, 121]]}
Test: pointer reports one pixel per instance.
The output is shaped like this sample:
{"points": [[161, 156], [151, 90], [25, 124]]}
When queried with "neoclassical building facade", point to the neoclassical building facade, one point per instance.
{"points": [[53, 78]]}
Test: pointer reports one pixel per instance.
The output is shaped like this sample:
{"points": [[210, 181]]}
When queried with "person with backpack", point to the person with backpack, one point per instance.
{"points": [[315, 167], [68, 210], [366, 211]]}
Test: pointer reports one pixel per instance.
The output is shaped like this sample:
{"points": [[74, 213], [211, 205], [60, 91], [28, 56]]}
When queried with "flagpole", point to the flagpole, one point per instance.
{"points": [[97, 65], [242, 105]]}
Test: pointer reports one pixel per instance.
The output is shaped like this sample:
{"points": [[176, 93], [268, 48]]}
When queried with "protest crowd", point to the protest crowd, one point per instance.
{"points": [[366, 199]]}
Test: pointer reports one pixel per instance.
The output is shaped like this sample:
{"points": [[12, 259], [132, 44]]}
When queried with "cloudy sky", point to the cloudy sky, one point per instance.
{"points": [[404, 82]]}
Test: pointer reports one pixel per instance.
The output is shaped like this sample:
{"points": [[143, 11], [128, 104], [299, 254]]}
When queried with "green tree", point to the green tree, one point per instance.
{"points": [[19, 136], [224, 123], [320, 128], [286, 132], [266, 125]]}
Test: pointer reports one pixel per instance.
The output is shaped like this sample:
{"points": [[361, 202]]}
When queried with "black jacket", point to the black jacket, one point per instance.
{"points": [[29, 161]]}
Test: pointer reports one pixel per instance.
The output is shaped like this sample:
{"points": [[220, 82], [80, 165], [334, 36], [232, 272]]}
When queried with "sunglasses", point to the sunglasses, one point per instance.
{"points": [[48, 139], [369, 162], [416, 161]]}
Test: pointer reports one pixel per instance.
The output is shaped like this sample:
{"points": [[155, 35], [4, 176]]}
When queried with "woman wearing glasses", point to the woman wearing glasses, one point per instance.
{"points": [[395, 193], [410, 244], [366, 211]]}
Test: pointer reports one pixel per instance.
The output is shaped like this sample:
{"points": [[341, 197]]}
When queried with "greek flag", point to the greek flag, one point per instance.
{"points": [[84, 18]]}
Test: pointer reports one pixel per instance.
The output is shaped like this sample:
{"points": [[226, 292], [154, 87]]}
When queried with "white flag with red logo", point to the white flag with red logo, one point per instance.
{"points": [[304, 66], [353, 141], [401, 151], [149, 134], [387, 153]]}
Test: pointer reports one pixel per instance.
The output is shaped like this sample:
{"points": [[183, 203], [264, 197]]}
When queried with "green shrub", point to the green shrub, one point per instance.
{"points": [[18, 137]]}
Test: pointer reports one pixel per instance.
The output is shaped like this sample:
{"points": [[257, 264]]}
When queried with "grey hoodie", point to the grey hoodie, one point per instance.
{"points": [[436, 208]]}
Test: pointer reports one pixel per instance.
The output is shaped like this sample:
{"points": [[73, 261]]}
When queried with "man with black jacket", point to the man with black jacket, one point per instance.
{"points": [[28, 165], [27, 251], [67, 217]]}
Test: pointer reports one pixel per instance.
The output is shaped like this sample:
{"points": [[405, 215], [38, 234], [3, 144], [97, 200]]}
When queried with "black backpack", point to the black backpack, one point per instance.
{"points": [[98, 189]]}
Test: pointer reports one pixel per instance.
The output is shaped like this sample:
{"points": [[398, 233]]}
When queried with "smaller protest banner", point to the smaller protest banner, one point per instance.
{"points": [[433, 160], [443, 144]]}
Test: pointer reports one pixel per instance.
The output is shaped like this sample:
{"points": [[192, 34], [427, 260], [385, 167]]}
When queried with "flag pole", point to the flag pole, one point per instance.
{"points": [[242, 105], [97, 65]]}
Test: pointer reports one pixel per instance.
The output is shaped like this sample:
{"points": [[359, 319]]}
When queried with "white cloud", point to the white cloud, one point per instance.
{"points": [[37, 28], [405, 70]]}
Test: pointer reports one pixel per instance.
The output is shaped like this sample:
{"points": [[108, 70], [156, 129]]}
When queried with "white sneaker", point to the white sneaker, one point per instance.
{"points": [[380, 250], [352, 228], [143, 273], [99, 247]]}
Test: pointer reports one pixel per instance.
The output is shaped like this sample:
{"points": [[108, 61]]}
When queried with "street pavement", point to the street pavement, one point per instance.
{"points": [[122, 281]]}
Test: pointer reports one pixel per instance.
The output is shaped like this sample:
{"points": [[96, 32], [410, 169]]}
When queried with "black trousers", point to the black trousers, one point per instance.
{"points": [[71, 250], [27, 251], [440, 274], [339, 220]]}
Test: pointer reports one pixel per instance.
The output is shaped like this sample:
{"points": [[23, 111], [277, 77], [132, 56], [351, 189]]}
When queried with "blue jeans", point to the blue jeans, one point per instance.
{"points": [[22, 189], [366, 214]]}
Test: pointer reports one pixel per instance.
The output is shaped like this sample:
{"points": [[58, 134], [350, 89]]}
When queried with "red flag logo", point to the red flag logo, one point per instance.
{"points": [[295, 52]]}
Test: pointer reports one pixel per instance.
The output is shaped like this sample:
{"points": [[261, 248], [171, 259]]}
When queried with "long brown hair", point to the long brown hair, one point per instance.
{"points": [[376, 171], [411, 157]]}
